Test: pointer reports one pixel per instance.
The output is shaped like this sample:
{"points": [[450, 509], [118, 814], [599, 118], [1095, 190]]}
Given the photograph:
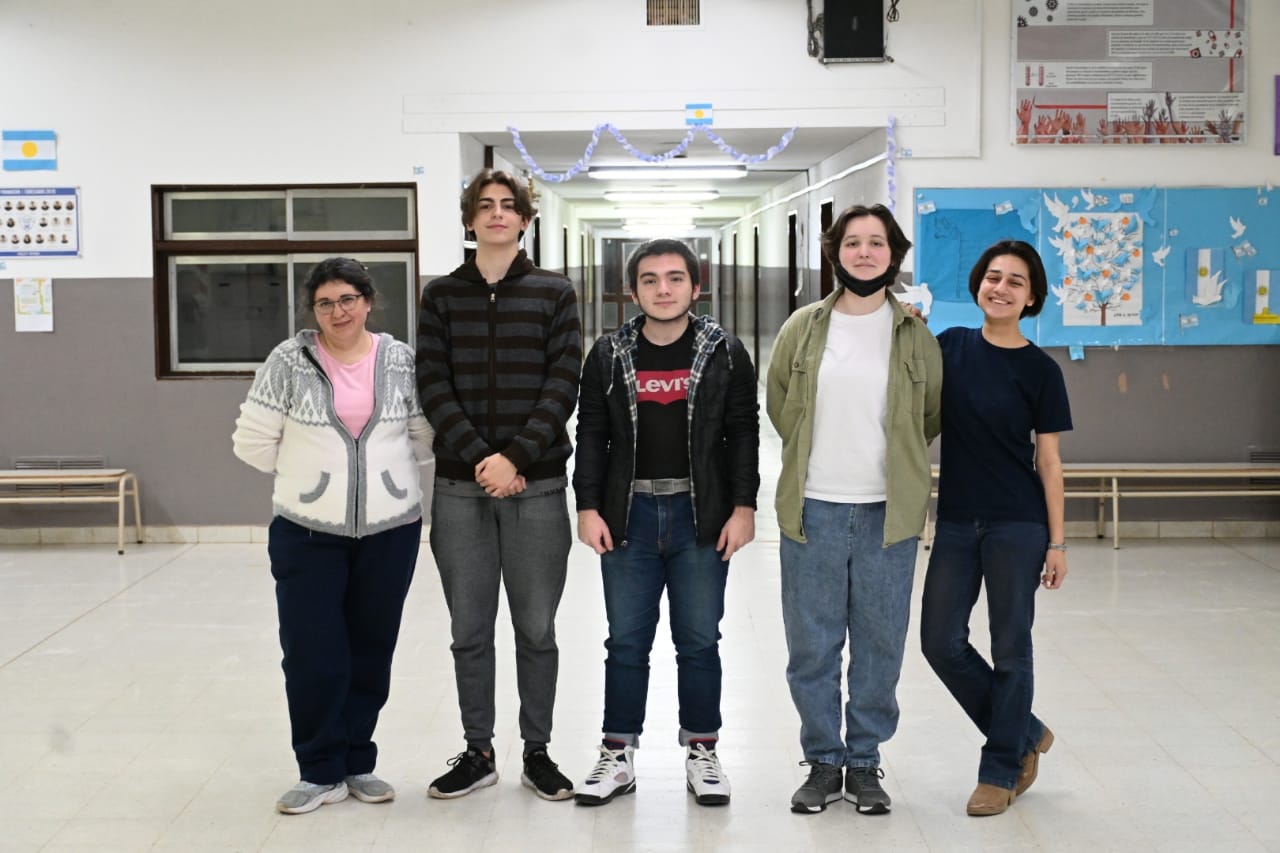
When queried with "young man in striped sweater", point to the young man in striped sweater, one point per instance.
{"points": [[499, 356]]}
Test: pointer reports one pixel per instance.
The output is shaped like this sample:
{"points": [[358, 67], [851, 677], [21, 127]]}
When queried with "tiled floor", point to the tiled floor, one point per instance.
{"points": [[141, 708]]}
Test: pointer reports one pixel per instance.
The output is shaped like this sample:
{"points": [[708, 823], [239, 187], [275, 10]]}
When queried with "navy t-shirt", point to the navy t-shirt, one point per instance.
{"points": [[662, 406], [993, 400]]}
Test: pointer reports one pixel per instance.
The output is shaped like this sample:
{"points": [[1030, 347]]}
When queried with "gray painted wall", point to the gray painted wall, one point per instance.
{"points": [[90, 388], [1135, 404]]}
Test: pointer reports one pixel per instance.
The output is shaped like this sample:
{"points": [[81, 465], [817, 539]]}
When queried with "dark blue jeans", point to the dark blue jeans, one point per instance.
{"points": [[339, 601], [1008, 557], [661, 550]]}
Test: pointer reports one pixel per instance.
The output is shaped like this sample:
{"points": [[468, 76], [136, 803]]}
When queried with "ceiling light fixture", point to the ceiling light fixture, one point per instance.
{"points": [[659, 196], [657, 229], [673, 211], [666, 173]]}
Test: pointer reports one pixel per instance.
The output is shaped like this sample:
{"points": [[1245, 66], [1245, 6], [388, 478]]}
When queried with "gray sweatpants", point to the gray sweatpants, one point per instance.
{"points": [[523, 543]]}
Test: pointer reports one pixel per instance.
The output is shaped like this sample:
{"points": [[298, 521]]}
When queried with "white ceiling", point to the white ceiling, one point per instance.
{"points": [[557, 151]]}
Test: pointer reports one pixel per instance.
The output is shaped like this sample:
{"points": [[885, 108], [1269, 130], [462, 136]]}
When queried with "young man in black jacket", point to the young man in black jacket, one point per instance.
{"points": [[499, 353], [666, 475]]}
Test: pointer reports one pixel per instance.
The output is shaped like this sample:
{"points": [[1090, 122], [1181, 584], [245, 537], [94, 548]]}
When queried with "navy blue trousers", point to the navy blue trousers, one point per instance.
{"points": [[340, 601]]}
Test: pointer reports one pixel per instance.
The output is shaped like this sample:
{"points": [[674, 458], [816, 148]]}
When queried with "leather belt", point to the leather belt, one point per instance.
{"points": [[662, 487]]}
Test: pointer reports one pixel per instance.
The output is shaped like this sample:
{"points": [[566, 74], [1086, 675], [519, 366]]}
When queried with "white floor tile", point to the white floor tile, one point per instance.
{"points": [[142, 708]]}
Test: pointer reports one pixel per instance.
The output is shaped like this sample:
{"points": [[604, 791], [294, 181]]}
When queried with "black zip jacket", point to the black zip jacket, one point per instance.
{"points": [[723, 436]]}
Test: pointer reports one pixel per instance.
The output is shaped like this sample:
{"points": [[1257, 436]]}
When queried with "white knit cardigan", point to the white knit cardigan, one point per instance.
{"points": [[325, 479]]}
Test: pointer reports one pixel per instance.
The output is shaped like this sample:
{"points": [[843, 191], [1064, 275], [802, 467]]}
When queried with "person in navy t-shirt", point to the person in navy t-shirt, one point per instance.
{"points": [[1000, 517]]}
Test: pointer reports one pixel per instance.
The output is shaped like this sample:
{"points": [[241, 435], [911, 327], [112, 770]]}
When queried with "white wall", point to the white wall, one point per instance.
{"points": [[231, 91], [1003, 164], [220, 91]]}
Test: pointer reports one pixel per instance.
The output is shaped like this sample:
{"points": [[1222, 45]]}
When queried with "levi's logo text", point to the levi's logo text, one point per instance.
{"points": [[662, 386]]}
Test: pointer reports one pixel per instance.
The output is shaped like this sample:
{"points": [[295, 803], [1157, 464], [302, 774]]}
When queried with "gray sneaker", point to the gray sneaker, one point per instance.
{"points": [[862, 788], [822, 787], [307, 797], [368, 788]]}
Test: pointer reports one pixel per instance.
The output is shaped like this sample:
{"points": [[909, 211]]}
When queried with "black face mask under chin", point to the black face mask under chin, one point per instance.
{"points": [[864, 288]]}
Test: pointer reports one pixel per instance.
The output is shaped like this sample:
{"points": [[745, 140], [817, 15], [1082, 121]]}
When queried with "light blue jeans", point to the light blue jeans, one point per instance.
{"points": [[843, 583]]}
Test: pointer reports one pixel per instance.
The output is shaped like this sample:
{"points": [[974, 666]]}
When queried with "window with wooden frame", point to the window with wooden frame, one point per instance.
{"points": [[230, 263]]}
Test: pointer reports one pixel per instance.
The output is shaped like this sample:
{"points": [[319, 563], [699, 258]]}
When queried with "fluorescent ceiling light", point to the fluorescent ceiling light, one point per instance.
{"points": [[674, 211], [657, 229], [666, 173], [660, 224], [660, 195]]}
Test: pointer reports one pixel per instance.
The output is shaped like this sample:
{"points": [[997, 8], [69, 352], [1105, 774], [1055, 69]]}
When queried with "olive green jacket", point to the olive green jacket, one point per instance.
{"points": [[914, 415]]}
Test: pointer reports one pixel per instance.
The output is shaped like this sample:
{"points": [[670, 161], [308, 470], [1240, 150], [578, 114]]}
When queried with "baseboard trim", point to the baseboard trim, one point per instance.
{"points": [[192, 534]]}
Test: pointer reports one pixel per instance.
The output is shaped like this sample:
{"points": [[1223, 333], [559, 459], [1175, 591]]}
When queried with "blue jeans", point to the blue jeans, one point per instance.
{"points": [[661, 550], [339, 600], [844, 583], [1007, 556]]}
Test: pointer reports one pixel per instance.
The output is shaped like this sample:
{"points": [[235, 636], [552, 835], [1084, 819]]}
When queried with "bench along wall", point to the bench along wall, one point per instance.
{"points": [[100, 396]]}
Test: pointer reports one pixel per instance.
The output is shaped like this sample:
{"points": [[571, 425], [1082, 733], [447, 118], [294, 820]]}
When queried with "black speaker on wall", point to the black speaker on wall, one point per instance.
{"points": [[853, 31]]}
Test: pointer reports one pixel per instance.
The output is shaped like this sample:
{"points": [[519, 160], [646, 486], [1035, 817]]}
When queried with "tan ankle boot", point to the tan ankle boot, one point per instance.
{"points": [[1031, 762], [987, 800]]}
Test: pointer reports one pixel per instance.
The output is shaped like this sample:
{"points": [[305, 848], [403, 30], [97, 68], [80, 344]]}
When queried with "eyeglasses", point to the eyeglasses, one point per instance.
{"points": [[326, 306]]}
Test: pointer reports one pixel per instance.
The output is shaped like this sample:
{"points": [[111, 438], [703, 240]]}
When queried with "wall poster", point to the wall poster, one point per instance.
{"points": [[39, 222], [1126, 266], [1128, 71]]}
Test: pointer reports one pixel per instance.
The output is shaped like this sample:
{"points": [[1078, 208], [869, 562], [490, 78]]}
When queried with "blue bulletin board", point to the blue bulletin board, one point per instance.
{"points": [[1126, 266]]}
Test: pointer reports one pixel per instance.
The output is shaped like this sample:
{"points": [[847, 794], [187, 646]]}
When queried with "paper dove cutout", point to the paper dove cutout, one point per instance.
{"points": [[1087, 195], [1237, 228], [917, 294], [1060, 210], [1210, 291], [1160, 254]]}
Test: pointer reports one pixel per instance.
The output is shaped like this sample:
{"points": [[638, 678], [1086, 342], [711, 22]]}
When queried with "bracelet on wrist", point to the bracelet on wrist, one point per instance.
{"points": [[1057, 546]]}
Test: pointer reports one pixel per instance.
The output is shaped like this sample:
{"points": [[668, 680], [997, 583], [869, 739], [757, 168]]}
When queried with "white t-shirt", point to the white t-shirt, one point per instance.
{"points": [[847, 459]]}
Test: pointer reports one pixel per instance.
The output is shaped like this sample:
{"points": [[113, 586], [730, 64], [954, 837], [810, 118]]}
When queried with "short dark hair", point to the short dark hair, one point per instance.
{"points": [[520, 189], [898, 242], [346, 270], [1035, 267], [662, 246]]}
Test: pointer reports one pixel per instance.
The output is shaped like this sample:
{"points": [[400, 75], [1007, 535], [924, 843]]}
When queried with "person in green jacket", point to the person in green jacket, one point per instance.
{"points": [[854, 388]]}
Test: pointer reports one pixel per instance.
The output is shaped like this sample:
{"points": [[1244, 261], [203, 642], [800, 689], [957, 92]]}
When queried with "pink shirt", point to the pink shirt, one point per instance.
{"points": [[352, 387]]}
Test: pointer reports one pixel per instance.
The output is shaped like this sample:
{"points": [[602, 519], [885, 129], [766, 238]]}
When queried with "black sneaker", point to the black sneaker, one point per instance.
{"points": [[471, 770], [822, 787], [862, 788], [544, 777]]}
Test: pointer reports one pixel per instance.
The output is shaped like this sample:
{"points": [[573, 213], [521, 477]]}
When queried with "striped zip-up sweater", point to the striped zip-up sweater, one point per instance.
{"points": [[498, 368]]}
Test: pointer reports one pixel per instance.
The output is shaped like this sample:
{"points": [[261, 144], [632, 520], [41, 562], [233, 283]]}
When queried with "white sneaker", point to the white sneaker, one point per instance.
{"points": [[614, 775], [706, 779], [307, 797]]}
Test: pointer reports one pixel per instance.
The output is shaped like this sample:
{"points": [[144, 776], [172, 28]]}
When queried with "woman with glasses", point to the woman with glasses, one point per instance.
{"points": [[333, 414]]}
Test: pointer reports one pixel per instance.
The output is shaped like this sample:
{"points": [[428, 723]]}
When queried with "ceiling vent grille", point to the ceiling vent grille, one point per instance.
{"points": [[673, 13]]}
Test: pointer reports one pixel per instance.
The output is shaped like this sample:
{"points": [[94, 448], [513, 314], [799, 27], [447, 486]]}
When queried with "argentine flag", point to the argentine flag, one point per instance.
{"points": [[30, 150], [697, 114]]}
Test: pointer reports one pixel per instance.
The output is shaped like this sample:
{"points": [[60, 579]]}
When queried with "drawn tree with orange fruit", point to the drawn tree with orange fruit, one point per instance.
{"points": [[1102, 261]]}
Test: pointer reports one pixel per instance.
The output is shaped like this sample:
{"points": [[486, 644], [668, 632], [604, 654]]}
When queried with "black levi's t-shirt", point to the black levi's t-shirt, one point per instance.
{"points": [[662, 405]]}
